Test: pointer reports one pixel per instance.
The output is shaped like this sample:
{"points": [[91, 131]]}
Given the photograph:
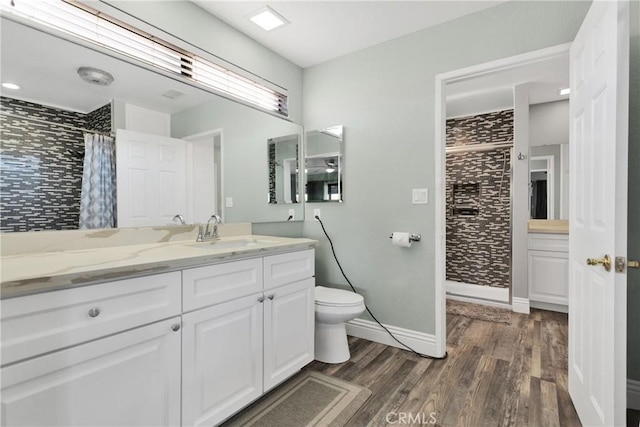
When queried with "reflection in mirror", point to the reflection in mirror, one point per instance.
{"points": [[548, 181], [143, 102], [324, 164], [282, 159]]}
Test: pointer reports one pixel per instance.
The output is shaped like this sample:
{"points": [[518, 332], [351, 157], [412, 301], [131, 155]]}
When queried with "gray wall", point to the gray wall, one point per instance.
{"points": [[549, 123], [189, 22], [633, 300], [384, 96]]}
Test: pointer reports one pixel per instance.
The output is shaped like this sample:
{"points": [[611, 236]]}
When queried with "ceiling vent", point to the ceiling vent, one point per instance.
{"points": [[95, 76], [173, 94]]}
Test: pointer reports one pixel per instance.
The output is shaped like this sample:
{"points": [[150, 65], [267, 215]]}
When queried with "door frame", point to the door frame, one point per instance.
{"points": [[519, 232], [549, 169], [191, 139]]}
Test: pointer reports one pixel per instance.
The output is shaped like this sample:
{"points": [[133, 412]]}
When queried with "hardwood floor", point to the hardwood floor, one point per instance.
{"points": [[496, 374]]}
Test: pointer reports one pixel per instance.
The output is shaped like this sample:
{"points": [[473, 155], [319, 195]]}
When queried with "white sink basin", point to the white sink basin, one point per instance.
{"points": [[231, 244]]}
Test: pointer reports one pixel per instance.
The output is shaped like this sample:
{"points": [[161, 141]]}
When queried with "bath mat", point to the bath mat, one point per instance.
{"points": [[307, 399], [479, 311]]}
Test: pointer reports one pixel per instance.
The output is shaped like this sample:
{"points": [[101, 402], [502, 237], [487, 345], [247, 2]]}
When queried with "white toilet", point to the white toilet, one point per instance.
{"points": [[334, 307]]}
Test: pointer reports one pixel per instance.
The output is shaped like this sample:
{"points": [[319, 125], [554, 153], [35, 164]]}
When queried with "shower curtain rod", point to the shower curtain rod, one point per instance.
{"points": [[16, 116], [479, 147]]}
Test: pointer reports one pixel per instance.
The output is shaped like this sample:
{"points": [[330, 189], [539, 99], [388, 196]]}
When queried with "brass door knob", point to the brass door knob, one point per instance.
{"points": [[633, 264], [605, 262]]}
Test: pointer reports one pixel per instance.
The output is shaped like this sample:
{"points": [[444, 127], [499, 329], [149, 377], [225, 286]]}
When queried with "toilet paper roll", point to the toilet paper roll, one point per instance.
{"points": [[401, 239]]}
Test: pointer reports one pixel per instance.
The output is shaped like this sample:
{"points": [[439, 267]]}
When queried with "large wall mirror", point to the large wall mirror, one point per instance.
{"points": [[324, 164], [225, 137], [549, 161]]}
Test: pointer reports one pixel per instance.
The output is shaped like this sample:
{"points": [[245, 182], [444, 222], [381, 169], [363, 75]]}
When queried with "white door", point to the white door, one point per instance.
{"points": [[128, 379], [598, 210], [221, 360], [289, 318], [151, 178]]}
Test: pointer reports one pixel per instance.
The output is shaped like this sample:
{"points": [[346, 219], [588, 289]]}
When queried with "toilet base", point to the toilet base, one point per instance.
{"points": [[331, 344]]}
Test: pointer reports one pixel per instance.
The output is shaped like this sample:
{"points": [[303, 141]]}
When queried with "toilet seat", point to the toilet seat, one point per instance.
{"points": [[330, 297]]}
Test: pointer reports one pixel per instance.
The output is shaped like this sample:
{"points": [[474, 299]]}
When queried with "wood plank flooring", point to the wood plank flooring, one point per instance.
{"points": [[497, 374]]}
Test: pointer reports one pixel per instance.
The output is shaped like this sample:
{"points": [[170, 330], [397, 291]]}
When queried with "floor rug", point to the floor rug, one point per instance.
{"points": [[307, 399], [479, 311]]}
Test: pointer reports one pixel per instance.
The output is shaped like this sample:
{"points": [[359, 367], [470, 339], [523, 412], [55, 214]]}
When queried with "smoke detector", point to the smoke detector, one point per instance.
{"points": [[95, 76]]}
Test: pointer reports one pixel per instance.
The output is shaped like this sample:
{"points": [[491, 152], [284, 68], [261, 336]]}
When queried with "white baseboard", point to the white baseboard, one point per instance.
{"points": [[633, 394], [480, 301], [520, 305], [549, 306], [419, 341], [475, 291]]}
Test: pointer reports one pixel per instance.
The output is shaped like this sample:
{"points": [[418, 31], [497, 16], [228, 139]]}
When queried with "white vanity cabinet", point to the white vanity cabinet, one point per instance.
{"points": [[549, 271], [289, 315], [189, 347], [68, 361], [257, 330]]}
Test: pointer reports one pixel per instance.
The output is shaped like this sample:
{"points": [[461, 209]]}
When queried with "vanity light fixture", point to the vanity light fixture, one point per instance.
{"points": [[565, 91], [11, 86], [268, 19]]}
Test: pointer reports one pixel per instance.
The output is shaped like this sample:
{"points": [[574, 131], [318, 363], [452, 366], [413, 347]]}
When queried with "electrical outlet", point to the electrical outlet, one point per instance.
{"points": [[316, 213], [228, 202], [292, 214]]}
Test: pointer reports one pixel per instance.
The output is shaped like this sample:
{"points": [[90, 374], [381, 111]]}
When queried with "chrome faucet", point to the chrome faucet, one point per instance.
{"points": [[206, 234], [213, 235], [178, 217]]}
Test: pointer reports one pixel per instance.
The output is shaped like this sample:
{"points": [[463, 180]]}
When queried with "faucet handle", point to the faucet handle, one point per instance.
{"points": [[200, 237]]}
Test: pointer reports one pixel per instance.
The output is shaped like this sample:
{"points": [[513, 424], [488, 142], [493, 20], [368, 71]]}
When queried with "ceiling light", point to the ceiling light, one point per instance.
{"points": [[95, 76], [268, 19], [12, 86], [330, 170], [564, 91]]}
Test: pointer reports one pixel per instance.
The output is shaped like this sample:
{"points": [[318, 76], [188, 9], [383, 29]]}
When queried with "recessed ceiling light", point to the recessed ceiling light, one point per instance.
{"points": [[565, 91], [12, 86], [268, 19]]}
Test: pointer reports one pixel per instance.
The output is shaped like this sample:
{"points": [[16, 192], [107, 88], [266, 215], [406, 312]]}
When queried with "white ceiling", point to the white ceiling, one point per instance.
{"points": [[323, 30], [494, 91]]}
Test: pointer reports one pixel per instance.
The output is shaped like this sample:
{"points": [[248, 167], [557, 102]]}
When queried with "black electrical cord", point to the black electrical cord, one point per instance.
{"points": [[426, 356]]}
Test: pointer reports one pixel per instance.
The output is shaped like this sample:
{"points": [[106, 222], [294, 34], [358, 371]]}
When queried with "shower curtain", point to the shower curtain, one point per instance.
{"points": [[98, 195]]}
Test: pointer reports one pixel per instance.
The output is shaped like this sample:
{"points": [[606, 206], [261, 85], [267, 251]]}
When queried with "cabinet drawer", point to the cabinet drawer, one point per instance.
{"points": [[37, 324], [213, 284], [548, 242], [288, 268]]}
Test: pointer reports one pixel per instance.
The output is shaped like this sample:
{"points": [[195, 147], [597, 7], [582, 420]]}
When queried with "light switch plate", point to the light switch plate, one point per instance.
{"points": [[420, 196], [292, 214], [228, 202]]}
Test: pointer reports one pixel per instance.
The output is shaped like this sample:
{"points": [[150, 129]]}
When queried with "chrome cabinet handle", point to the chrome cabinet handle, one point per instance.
{"points": [[175, 327], [94, 312], [261, 298], [271, 296]]}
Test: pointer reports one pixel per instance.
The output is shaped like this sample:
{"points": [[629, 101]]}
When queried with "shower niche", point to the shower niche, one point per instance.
{"points": [[466, 199]]}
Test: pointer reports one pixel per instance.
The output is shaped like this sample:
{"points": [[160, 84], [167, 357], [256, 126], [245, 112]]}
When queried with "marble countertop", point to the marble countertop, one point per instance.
{"points": [[553, 226], [30, 273]]}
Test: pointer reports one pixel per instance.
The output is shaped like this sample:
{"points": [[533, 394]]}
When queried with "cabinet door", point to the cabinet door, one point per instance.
{"points": [[289, 330], [221, 360], [549, 277], [127, 379]]}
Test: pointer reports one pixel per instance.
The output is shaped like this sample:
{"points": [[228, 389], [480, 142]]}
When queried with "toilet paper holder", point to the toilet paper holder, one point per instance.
{"points": [[413, 237]]}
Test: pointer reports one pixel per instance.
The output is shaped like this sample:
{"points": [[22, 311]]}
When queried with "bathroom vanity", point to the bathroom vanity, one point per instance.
{"points": [[548, 253], [193, 334]]}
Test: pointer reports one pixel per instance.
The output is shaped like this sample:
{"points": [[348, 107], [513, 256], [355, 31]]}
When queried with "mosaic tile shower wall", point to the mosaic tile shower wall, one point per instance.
{"points": [[478, 201], [41, 165]]}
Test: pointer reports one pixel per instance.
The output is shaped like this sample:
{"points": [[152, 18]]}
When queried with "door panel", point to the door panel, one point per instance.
{"points": [[598, 223], [151, 176]]}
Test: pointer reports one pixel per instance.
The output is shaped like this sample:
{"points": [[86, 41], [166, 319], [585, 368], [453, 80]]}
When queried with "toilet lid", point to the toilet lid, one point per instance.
{"points": [[330, 296]]}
